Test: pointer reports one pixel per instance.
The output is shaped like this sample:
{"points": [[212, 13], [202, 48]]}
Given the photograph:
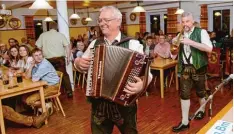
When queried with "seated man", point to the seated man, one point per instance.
{"points": [[35, 121], [42, 69], [149, 48], [162, 49]]}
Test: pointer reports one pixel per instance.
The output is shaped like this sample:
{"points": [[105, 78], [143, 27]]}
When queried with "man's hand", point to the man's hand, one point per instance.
{"points": [[134, 88], [187, 41], [82, 63], [32, 63]]}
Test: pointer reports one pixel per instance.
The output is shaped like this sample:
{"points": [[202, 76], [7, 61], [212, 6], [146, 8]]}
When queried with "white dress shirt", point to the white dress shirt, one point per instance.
{"points": [[205, 39]]}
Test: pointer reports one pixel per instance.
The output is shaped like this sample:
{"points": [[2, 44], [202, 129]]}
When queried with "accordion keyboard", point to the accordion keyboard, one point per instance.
{"points": [[89, 91]]}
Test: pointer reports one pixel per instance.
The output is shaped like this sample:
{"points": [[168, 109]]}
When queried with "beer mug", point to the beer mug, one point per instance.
{"points": [[19, 78]]}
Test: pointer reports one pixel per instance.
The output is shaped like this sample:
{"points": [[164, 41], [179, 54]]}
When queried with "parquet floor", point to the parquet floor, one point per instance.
{"points": [[155, 115]]}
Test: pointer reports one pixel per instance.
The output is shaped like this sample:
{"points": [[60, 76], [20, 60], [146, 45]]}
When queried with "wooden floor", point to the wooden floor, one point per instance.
{"points": [[155, 115]]}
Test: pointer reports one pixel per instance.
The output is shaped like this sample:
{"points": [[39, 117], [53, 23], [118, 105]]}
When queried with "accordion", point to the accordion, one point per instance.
{"points": [[111, 68]]}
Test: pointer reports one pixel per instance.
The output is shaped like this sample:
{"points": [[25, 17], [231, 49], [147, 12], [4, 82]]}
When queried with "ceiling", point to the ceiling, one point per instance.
{"points": [[78, 4]]}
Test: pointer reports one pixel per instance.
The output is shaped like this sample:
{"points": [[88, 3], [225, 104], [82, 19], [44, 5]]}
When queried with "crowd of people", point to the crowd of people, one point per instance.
{"points": [[51, 52]]}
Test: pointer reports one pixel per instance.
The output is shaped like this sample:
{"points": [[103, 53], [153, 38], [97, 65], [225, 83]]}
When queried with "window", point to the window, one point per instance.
{"points": [[221, 21], [154, 23], [165, 23]]}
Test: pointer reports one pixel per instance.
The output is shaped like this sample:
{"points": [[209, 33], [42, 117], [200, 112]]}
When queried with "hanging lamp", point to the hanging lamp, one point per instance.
{"points": [[40, 4], [48, 18], [138, 8], [74, 15], [88, 18], [179, 10]]}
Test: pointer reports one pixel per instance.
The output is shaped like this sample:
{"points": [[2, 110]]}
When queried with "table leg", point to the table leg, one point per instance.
{"points": [[42, 101], [2, 119], [162, 83], [176, 77]]}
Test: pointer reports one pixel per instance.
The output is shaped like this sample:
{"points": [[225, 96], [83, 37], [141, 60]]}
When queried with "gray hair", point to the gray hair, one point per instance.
{"points": [[116, 13], [186, 14]]}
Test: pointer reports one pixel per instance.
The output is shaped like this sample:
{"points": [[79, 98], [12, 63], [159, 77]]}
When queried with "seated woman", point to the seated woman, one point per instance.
{"points": [[14, 57], [25, 59], [3, 54]]}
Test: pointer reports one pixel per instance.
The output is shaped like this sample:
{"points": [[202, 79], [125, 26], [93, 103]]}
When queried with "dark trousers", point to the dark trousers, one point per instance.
{"points": [[127, 124], [190, 80], [60, 65]]}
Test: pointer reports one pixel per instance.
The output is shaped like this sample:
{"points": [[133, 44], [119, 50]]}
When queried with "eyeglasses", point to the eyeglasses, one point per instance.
{"points": [[104, 20]]}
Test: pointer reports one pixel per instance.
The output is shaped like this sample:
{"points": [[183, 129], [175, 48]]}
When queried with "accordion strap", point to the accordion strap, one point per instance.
{"points": [[123, 40], [146, 75]]}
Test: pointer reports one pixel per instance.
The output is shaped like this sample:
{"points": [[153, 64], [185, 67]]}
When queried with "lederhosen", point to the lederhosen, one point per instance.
{"points": [[106, 114], [193, 74]]}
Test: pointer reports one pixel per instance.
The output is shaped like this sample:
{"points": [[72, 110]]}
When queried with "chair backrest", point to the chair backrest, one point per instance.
{"points": [[60, 75]]}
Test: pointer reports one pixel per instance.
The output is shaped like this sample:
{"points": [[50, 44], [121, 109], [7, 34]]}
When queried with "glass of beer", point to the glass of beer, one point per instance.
{"points": [[5, 80], [19, 78]]}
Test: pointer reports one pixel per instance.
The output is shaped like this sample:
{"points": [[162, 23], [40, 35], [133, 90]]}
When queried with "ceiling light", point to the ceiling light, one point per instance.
{"points": [[74, 15], [165, 17], [40, 4], [179, 11], [1, 18], [217, 14], [39, 24], [138, 9], [48, 19], [88, 19], [155, 18]]}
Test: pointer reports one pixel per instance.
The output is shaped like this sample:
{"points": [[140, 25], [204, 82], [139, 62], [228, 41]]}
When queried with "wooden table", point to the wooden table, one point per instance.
{"points": [[161, 65], [25, 87], [226, 114]]}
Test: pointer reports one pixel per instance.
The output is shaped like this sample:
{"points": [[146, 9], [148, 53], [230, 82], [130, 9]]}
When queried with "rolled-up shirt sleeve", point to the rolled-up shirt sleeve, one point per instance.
{"points": [[205, 38], [38, 74]]}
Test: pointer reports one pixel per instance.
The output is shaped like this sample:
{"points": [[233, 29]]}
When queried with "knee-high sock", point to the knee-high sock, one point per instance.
{"points": [[202, 101], [185, 105]]}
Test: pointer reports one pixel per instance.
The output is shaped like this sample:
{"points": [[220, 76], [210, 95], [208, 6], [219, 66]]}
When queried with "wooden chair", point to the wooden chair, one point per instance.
{"points": [[83, 75], [55, 98]]}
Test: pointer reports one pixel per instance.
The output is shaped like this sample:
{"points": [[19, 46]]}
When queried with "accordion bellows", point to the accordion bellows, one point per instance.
{"points": [[111, 69]]}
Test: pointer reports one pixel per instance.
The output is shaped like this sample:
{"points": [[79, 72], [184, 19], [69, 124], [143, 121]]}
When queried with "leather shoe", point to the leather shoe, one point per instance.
{"points": [[180, 127], [69, 95], [38, 121], [200, 115]]}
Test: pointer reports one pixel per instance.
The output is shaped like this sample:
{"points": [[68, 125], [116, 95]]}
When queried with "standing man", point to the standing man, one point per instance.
{"points": [[106, 114], [55, 48], [192, 66]]}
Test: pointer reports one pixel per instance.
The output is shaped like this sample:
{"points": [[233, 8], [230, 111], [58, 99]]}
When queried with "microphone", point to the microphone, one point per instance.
{"points": [[224, 82], [230, 77]]}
